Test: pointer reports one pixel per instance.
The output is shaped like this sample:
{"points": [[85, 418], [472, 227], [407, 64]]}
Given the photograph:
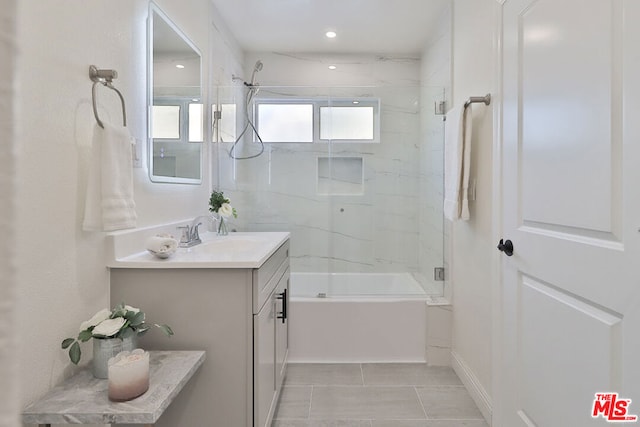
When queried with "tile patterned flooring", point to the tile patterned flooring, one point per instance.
{"points": [[374, 395]]}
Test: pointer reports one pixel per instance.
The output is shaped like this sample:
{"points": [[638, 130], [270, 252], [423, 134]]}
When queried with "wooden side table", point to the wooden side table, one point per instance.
{"points": [[83, 399]]}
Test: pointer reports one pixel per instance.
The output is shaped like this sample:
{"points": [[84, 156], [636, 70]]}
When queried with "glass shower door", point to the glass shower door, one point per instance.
{"points": [[354, 173]]}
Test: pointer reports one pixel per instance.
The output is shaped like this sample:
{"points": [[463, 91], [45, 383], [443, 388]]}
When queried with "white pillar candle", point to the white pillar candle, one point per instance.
{"points": [[128, 375]]}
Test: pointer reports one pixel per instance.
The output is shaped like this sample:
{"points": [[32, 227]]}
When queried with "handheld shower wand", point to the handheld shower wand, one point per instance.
{"points": [[256, 68], [253, 90]]}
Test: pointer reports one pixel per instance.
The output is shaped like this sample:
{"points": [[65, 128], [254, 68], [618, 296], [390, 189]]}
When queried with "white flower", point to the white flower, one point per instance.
{"points": [[225, 210], [129, 308], [97, 318], [109, 327]]}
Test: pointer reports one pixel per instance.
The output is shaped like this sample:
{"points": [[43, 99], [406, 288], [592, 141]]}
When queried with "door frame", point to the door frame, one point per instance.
{"points": [[497, 221]]}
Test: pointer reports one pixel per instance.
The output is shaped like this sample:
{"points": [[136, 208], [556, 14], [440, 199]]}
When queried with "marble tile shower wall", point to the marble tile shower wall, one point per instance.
{"points": [[374, 231]]}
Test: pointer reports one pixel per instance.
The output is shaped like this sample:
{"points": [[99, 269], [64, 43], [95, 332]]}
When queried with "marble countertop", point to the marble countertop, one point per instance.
{"points": [[82, 399], [236, 250]]}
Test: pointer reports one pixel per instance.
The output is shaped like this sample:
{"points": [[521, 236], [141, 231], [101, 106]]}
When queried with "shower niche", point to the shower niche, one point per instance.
{"points": [[340, 176]]}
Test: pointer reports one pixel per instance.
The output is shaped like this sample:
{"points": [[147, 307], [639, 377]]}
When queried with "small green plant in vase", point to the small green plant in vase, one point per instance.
{"points": [[221, 206]]}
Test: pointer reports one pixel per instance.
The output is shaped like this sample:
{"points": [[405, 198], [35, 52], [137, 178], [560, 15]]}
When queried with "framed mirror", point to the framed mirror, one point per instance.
{"points": [[175, 108]]}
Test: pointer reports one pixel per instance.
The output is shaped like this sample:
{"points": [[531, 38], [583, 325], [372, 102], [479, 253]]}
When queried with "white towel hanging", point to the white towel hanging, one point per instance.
{"points": [[109, 204], [457, 162]]}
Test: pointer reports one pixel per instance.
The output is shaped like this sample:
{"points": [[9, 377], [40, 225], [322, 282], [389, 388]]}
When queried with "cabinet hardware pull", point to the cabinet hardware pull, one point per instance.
{"points": [[283, 314]]}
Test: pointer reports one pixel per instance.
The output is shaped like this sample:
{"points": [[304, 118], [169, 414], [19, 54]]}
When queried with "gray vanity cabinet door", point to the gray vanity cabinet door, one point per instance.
{"points": [[264, 387], [282, 327]]}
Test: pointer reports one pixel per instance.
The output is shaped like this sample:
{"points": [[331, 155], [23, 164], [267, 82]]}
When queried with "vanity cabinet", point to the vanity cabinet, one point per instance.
{"points": [[237, 315], [271, 342]]}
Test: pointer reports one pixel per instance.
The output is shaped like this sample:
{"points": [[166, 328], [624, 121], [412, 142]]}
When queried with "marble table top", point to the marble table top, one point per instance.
{"points": [[82, 399]]}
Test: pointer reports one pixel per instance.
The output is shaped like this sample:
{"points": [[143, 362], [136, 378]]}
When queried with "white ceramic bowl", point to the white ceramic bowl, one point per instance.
{"points": [[162, 245], [163, 255]]}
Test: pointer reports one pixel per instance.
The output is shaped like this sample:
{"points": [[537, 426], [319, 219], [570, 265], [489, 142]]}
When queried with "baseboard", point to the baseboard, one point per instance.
{"points": [[358, 360], [471, 382]]}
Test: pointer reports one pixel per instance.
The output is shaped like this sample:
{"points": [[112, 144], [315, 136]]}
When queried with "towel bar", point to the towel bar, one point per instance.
{"points": [[486, 100], [104, 77]]}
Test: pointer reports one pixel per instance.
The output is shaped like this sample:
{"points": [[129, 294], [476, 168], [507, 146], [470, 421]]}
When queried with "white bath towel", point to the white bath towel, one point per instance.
{"points": [[109, 204], [457, 161]]}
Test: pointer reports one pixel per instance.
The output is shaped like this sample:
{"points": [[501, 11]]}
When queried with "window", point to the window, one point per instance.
{"points": [[195, 123], [315, 121], [346, 123], [177, 120], [285, 122], [166, 122]]}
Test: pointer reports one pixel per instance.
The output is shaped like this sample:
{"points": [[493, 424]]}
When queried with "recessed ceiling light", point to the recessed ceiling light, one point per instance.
{"points": [[330, 34], [332, 67], [179, 66], [356, 102]]}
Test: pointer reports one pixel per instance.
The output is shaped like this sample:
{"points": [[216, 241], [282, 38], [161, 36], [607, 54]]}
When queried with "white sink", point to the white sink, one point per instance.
{"points": [[231, 243], [236, 250]]}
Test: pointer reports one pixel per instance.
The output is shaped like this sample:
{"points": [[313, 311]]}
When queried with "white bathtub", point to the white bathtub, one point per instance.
{"points": [[357, 317]]}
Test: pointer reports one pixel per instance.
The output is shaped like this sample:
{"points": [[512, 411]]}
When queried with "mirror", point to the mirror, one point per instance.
{"points": [[175, 116]]}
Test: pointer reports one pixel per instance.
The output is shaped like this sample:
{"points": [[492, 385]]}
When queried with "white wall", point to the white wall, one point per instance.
{"points": [[62, 279], [9, 393], [472, 244]]}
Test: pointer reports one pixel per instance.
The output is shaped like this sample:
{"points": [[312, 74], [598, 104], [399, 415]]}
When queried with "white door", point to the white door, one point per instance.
{"points": [[570, 312]]}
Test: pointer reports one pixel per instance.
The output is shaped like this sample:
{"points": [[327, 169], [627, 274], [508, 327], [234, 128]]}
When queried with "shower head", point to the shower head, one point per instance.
{"points": [[256, 68]]}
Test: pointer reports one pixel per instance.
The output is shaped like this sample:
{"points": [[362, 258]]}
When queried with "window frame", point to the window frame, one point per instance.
{"points": [[318, 103]]}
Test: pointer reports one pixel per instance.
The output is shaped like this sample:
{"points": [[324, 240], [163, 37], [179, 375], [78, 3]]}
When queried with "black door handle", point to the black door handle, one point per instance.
{"points": [[283, 314], [506, 247]]}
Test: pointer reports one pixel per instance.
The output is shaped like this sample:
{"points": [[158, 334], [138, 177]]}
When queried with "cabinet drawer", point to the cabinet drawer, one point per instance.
{"points": [[266, 278]]}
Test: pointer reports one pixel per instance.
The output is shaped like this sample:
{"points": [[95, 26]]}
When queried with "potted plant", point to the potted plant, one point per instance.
{"points": [[112, 331], [221, 206]]}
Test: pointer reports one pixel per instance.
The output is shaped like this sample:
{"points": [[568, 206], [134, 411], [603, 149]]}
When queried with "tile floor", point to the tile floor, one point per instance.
{"points": [[374, 395]]}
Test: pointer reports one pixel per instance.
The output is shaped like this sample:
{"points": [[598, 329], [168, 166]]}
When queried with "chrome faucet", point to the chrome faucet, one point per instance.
{"points": [[190, 235]]}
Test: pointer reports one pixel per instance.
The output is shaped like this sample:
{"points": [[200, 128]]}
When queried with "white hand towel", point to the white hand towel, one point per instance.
{"points": [[457, 161], [109, 204]]}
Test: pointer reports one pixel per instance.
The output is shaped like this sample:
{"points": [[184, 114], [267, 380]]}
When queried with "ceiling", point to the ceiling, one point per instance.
{"points": [[167, 41], [363, 26]]}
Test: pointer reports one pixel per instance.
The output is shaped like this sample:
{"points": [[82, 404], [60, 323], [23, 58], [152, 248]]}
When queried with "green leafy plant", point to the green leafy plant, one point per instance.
{"points": [[121, 322], [221, 205]]}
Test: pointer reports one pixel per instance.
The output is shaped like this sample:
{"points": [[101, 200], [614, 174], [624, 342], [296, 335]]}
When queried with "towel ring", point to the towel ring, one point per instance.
{"points": [[105, 77]]}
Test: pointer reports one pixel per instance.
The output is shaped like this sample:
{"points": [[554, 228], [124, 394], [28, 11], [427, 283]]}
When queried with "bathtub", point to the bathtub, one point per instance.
{"points": [[357, 317]]}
